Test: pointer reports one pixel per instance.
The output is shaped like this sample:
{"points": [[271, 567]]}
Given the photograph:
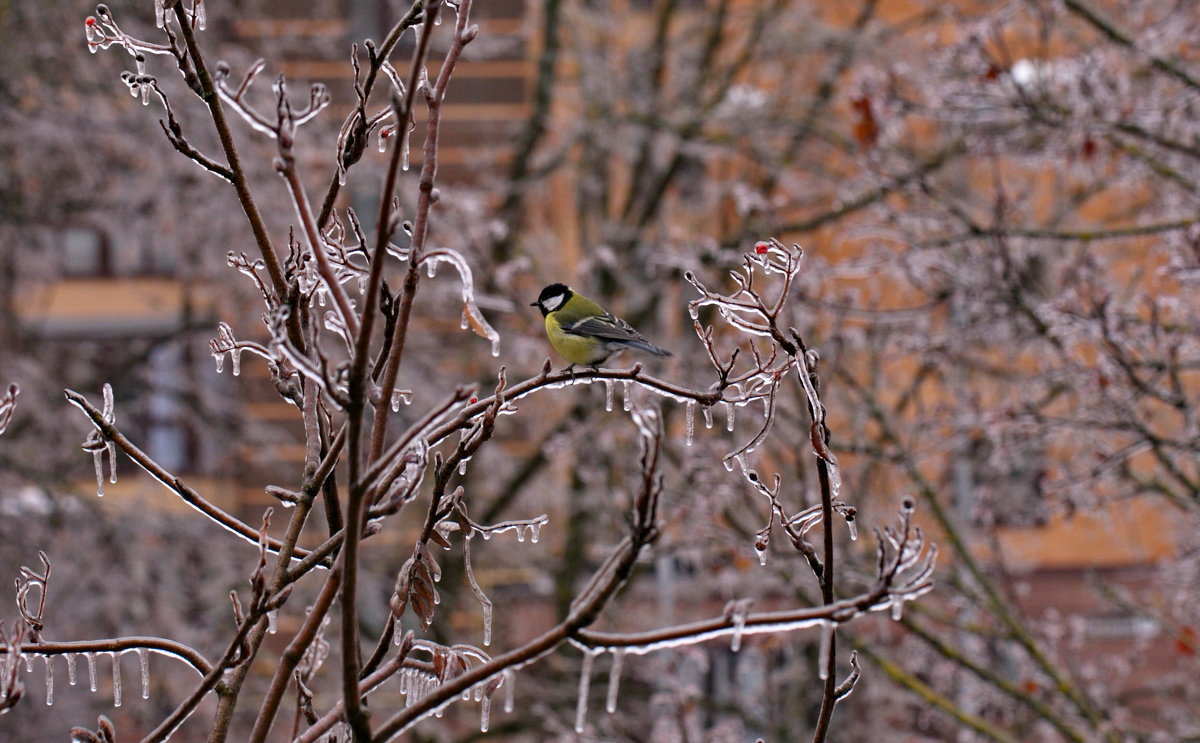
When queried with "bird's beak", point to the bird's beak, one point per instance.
{"points": [[533, 304]]}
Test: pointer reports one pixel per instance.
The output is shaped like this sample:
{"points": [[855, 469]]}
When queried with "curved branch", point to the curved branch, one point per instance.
{"points": [[189, 655], [191, 497]]}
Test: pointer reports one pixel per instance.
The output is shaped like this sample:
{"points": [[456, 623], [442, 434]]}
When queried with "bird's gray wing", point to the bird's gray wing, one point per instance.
{"points": [[605, 327], [613, 329]]}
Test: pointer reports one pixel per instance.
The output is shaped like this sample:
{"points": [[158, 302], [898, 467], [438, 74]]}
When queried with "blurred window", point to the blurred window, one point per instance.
{"points": [[84, 252]]}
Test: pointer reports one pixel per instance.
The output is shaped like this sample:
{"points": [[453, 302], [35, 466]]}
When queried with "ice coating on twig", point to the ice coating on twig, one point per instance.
{"points": [[98, 445], [8, 403], [471, 316], [484, 602], [225, 343], [102, 32]]}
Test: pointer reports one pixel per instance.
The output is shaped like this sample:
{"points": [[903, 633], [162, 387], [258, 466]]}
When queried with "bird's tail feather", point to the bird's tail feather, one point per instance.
{"points": [[647, 347]]}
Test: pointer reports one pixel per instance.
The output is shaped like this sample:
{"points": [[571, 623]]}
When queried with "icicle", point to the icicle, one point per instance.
{"points": [[485, 713], [708, 423], [160, 14], [729, 416], [853, 527], [462, 466], [401, 396], [235, 357], [835, 479], [762, 554], [614, 680], [826, 648], [397, 638], [897, 609], [272, 619], [484, 602], [520, 530], [535, 531], [28, 662], [626, 390], [98, 461], [471, 315], [144, 661], [510, 680], [49, 679], [91, 659], [70, 668], [199, 14], [739, 625], [689, 422], [116, 664], [585, 680], [404, 150], [608, 395]]}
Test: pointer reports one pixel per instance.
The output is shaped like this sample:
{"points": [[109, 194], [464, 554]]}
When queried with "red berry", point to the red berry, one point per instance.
{"points": [[761, 248], [90, 21], [474, 399]]}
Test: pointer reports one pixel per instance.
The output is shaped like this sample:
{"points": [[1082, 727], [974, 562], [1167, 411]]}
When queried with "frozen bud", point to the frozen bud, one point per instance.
{"points": [[406, 645], [435, 196], [908, 505], [469, 34], [222, 70], [102, 11], [752, 475]]}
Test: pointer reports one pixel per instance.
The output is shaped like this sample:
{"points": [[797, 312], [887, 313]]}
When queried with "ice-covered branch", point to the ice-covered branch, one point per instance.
{"points": [[905, 568], [643, 530], [8, 404], [109, 435]]}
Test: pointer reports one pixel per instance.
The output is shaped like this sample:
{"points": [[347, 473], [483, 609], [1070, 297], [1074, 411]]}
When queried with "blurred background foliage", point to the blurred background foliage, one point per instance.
{"points": [[999, 210]]}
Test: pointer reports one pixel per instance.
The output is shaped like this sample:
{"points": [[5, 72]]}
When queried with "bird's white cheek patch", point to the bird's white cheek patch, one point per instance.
{"points": [[553, 303]]}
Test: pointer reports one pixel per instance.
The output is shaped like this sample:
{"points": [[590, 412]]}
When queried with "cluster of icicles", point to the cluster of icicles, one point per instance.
{"points": [[72, 661]]}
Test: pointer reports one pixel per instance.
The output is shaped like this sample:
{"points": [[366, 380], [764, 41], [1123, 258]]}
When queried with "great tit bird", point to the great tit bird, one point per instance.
{"points": [[583, 332]]}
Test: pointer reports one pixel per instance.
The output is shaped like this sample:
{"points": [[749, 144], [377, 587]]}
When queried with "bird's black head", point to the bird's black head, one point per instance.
{"points": [[552, 297]]}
